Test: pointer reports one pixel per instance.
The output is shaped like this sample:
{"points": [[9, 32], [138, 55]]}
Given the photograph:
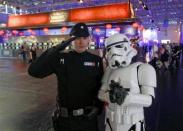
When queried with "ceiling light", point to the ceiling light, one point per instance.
{"points": [[80, 1], [145, 7], [151, 20], [35, 3], [140, 2], [4, 2]]}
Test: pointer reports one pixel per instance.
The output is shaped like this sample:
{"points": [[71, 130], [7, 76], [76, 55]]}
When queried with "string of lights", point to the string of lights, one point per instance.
{"points": [[144, 6]]}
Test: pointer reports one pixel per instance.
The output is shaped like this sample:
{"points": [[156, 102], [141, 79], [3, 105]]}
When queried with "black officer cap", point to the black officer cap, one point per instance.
{"points": [[80, 30]]}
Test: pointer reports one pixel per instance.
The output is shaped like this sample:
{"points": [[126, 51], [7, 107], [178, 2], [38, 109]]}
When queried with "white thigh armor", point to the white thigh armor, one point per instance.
{"points": [[140, 80]]}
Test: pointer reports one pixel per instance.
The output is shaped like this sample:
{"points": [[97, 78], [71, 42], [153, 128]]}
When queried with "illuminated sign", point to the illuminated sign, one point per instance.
{"points": [[2, 25], [59, 16], [113, 12], [101, 13], [28, 20], [150, 34], [112, 31]]}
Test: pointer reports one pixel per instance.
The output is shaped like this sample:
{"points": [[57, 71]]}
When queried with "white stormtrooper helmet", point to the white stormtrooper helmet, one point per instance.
{"points": [[118, 51]]}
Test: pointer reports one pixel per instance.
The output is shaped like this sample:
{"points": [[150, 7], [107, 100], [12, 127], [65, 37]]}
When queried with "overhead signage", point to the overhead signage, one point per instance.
{"points": [[113, 12], [101, 13], [59, 16], [28, 20]]}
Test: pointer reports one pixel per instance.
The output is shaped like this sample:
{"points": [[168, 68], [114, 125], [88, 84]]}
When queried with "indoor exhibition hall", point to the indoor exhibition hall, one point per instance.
{"points": [[91, 65]]}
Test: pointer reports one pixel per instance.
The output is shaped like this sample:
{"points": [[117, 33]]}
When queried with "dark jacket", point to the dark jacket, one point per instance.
{"points": [[164, 56], [176, 51], [78, 74]]}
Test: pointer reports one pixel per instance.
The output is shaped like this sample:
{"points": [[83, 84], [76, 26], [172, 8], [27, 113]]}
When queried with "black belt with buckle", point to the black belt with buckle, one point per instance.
{"points": [[65, 112]]}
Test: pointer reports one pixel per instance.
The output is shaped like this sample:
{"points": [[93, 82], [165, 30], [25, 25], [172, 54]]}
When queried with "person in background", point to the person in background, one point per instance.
{"points": [[175, 56], [164, 57], [33, 53], [79, 76], [23, 52]]}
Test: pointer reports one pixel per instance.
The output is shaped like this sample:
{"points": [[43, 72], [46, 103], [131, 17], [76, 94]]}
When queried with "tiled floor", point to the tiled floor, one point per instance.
{"points": [[166, 113], [26, 103]]}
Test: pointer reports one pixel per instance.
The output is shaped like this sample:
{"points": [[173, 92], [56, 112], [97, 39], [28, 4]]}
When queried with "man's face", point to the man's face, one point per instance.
{"points": [[81, 44]]}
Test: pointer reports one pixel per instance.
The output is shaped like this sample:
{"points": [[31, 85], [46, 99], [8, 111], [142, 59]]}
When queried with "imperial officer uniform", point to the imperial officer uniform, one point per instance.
{"points": [[79, 79]]}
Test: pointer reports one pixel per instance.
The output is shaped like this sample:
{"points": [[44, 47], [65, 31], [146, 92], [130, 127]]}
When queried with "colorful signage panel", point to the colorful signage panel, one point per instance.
{"points": [[28, 20], [91, 14], [59, 16], [101, 13]]}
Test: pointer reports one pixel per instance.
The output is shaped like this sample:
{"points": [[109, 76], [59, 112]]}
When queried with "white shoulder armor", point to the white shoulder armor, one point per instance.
{"points": [[147, 79]]}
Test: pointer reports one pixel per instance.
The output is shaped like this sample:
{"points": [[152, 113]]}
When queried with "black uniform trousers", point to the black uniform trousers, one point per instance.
{"points": [[79, 123]]}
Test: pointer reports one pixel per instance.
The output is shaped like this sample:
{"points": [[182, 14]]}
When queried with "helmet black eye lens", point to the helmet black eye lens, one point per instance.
{"points": [[119, 46], [108, 49]]}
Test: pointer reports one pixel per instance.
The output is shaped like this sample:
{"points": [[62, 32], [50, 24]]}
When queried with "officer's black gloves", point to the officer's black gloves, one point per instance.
{"points": [[91, 112], [42, 66], [52, 52], [64, 44], [117, 93]]}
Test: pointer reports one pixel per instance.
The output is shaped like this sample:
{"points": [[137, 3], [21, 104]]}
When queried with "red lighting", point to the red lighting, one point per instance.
{"points": [[135, 25], [29, 30], [141, 27], [1, 32], [118, 28], [101, 13], [108, 26], [33, 33], [45, 30], [63, 29], [21, 33], [14, 32], [28, 20], [97, 30]]}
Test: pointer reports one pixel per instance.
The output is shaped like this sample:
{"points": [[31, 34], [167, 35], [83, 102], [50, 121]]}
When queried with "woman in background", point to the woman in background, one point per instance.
{"points": [[33, 53]]}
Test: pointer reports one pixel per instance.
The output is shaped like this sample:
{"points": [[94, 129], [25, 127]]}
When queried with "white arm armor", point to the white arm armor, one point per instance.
{"points": [[103, 95], [147, 79], [103, 92], [147, 83], [138, 100]]}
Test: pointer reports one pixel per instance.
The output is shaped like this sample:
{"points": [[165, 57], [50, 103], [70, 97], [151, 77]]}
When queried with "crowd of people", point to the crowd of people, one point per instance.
{"points": [[166, 56], [160, 56], [28, 54]]}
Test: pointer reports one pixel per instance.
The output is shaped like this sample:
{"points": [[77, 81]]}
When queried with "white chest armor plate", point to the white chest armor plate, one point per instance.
{"points": [[127, 77]]}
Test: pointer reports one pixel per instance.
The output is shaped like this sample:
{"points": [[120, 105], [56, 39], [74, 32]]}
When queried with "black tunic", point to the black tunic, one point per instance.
{"points": [[78, 74]]}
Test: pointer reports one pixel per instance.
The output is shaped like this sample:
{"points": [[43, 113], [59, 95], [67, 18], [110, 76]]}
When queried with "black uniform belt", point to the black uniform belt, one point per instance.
{"points": [[65, 112]]}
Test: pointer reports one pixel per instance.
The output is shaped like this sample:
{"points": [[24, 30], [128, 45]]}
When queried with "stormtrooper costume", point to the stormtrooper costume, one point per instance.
{"points": [[136, 82]]}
